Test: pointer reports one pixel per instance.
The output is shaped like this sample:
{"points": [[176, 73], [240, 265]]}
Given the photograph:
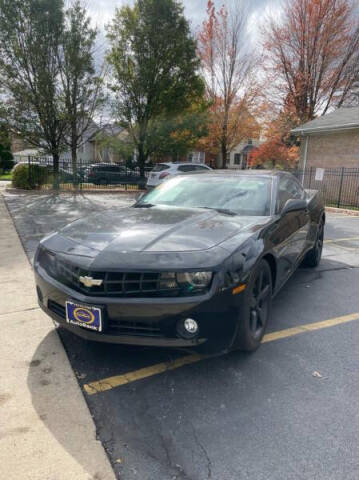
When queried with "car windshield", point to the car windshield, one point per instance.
{"points": [[242, 195]]}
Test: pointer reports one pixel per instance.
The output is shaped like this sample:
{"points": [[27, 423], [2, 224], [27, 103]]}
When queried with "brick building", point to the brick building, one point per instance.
{"points": [[330, 141]]}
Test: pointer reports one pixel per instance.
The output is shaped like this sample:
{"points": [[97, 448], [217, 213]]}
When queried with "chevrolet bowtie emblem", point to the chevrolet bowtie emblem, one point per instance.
{"points": [[90, 282]]}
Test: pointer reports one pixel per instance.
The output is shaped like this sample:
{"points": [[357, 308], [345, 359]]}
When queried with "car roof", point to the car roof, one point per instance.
{"points": [[103, 164], [254, 172], [249, 173], [178, 164]]}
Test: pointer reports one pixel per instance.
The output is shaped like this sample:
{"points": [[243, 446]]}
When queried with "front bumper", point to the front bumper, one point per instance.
{"points": [[147, 321]]}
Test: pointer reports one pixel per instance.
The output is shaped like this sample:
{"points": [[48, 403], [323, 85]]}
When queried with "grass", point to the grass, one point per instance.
{"points": [[5, 176]]}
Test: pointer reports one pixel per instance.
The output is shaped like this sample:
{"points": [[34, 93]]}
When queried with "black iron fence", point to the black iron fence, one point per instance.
{"points": [[339, 187], [39, 173]]}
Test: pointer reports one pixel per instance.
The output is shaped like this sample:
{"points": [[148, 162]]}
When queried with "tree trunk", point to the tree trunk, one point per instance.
{"points": [[224, 154], [141, 159], [56, 160], [75, 179], [224, 138]]}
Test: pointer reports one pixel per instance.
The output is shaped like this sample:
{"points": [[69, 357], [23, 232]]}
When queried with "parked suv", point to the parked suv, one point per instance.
{"points": [[163, 170], [111, 174]]}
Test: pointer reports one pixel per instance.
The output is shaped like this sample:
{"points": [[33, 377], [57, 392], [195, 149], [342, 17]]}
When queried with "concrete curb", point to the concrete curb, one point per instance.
{"points": [[344, 211], [46, 429]]}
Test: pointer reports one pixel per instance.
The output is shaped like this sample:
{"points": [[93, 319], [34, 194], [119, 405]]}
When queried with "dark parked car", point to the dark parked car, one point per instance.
{"points": [[111, 174], [195, 262]]}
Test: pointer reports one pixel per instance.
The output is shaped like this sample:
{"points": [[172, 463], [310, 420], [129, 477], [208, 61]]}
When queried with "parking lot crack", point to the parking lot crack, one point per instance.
{"points": [[204, 451]]}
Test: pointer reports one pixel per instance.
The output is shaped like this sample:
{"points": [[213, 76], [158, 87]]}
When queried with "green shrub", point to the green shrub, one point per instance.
{"points": [[29, 177]]}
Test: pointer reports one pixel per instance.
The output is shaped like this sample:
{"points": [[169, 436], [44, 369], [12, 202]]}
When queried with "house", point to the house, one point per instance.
{"points": [[330, 141], [90, 151], [18, 144], [105, 144], [196, 156], [239, 156]]}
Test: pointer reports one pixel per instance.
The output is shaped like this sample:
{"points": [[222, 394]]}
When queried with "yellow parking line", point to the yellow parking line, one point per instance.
{"points": [[118, 380], [335, 240]]}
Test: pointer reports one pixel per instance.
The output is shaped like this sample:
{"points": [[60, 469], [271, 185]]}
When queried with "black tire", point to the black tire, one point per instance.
{"points": [[313, 257], [255, 312]]}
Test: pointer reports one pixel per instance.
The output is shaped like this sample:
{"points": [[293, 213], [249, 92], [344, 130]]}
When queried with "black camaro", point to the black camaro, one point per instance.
{"points": [[194, 263]]}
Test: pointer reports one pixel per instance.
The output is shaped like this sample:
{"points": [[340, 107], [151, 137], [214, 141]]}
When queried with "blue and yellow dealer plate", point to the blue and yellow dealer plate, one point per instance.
{"points": [[84, 316]]}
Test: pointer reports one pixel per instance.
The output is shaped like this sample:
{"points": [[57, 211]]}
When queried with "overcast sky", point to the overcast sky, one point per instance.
{"points": [[102, 11]]}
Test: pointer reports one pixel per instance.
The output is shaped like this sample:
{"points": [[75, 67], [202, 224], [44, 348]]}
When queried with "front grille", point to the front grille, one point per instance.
{"points": [[115, 284], [121, 327], [136, 328]]}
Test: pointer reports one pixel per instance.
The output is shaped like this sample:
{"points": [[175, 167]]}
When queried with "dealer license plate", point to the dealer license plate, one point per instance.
{"points": [[84, 316]]}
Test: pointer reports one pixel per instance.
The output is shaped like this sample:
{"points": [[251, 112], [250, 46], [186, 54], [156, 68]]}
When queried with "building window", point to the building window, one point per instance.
{"points": [[237, 158]]}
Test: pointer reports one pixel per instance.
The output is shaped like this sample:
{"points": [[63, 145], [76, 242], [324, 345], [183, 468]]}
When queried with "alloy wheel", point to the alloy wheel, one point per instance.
{"points": [[259, 303]]}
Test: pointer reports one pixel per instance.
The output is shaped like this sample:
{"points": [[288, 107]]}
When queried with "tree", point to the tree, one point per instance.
{"points": [[280, 148], [166, 137], [313, 53], [176, 136], [274, 153], [228, 68], [154, 68], [82, 88], [30, 35]]}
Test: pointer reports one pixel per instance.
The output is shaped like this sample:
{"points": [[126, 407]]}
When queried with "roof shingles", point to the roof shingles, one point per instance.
{"points": [[341, 119]]}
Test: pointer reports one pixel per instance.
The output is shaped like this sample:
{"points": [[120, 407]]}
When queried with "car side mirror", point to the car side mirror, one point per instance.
{"points": [[294, 205]]}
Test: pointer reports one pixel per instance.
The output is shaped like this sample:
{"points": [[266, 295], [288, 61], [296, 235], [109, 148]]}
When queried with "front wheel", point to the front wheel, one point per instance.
{"points": [[254, 314], [313, 257]]}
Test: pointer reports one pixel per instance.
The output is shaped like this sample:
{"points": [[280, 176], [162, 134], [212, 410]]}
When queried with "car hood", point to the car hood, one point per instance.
{"points": [[133, 234]]}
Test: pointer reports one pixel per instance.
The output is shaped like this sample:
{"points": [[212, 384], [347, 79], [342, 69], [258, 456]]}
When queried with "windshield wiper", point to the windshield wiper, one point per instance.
{"points": [[225, 211], [143, 205]]}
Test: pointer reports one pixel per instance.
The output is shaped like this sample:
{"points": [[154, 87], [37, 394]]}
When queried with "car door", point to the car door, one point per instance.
{"points": [[290, 234]]}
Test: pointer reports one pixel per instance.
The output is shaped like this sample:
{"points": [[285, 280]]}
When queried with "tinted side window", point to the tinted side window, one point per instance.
{"points": [[104, 168], [201, 167], [186, 168], [288, 189]]}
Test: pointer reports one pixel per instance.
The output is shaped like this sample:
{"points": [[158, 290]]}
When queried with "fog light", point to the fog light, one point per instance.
{"points": [[190, 325], [187, 328]]}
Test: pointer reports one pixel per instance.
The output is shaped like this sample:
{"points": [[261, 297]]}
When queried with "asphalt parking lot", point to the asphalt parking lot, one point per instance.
{"points": [[289, 411]]}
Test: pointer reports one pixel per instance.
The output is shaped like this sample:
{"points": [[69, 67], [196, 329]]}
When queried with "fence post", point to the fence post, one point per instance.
{"points": [[28, 170], [310, 177], [340, 186]]}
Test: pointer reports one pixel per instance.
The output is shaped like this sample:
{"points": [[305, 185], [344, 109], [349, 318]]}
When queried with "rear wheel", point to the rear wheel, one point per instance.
{"points": [[313, 257], [254, 314]]}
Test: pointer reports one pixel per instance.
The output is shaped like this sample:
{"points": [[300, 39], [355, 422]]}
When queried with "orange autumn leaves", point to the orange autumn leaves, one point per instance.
{"points": [[228, 66], [310, 66]]}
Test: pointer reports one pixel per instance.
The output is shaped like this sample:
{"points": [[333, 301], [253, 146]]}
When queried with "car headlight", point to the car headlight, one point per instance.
{"points": [[194, 280], [46, 260]]}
